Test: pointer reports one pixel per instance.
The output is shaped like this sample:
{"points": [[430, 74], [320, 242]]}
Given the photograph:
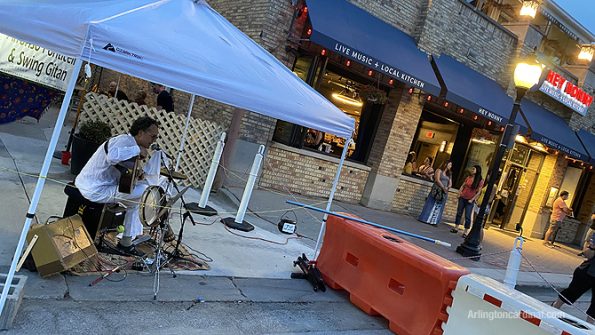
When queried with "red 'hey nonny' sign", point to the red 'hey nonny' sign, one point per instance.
{"points": [[566, 92]]}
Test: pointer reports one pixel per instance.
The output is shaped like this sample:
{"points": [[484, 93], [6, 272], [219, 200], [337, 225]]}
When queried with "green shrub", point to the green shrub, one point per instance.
{"points": [[95, 131]]}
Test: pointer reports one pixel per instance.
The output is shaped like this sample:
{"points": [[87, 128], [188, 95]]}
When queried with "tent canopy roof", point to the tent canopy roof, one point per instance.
{"points": [[183, 44]]}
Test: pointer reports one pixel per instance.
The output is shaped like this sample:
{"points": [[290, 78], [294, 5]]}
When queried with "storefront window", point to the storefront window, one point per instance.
{"points": [[482, 149], [435, 139], [345, 90]]}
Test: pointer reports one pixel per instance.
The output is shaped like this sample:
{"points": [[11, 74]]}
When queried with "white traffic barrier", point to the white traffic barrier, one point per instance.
{"points": [[206, 190], [514, 263], [250, 185], [484, 306]]}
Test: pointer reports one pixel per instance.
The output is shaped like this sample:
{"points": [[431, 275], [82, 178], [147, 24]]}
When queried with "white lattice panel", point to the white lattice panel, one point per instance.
{"points": [[201, 139]]}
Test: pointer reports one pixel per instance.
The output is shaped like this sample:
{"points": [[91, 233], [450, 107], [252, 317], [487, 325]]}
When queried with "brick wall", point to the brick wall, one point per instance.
{"points": [[311, 174], [454, 28], [403, 15], [542, 187], [411, 196]]}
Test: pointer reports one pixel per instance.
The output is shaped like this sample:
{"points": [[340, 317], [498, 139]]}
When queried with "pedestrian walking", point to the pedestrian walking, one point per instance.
{"points": [[583, 280], [468, 193], [436, 200]]}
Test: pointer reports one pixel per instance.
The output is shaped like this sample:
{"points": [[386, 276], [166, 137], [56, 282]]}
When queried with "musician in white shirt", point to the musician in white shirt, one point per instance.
{"points": [[98, 180]]}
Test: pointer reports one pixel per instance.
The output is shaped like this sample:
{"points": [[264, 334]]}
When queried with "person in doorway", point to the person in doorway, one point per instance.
{"points": [[98, 180], [410, 163], [434, 205], [164, 99], [583, 280], [425, 170], [468, 193], [115, 92], [559, 212]]}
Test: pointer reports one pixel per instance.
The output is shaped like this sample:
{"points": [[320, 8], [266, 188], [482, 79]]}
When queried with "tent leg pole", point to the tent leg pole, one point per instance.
{"points": [[183, 140], [332, 195], [41, 180]]}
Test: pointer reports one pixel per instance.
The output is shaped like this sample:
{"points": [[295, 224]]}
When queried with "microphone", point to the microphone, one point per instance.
{"points": [[155, 147]]}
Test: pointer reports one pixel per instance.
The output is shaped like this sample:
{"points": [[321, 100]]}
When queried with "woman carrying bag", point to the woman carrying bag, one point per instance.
{"points": [[434, 206]]}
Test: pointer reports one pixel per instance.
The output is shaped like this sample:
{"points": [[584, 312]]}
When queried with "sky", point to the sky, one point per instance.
{"points": [[582, 10]]}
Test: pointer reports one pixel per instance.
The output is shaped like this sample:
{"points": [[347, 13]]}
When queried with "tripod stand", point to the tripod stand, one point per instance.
{"points": [[176, 253]]}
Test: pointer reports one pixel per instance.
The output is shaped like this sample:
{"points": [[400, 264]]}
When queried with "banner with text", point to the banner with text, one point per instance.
{"points": [[34, 63]]}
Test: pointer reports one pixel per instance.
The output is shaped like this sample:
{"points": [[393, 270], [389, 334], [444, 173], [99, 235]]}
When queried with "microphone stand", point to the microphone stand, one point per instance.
{"points": [[176, 253]]}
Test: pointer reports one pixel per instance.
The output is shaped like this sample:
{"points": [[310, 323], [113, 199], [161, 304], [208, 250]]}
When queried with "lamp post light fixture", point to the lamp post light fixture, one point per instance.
{"points": [[587, 52], [526, 75], [529, 8]]}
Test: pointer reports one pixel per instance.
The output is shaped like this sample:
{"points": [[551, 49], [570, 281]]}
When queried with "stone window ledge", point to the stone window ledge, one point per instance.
{"points": [[422, 182], [323, 157]]}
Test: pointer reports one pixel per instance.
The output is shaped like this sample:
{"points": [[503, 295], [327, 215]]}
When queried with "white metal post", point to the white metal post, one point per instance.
{"points": [[250, 185], [514, 263], [183, 140], [41, 180], [332, 194], [204, 196]]}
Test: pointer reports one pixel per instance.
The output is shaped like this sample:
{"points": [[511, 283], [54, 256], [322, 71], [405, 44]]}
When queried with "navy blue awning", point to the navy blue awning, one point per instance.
{"points": [[354, 33], [473, 91], [588, 141], [551, 130]]}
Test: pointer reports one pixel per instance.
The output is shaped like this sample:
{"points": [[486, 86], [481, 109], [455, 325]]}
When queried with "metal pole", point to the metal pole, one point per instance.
{"points": [[204, 196], [332, 195], [182, 142], [398, 231], [472, 244], [41, 180]]}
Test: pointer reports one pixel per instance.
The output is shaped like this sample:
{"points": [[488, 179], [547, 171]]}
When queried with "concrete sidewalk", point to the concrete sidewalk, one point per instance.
{"points": [[542, 266]]}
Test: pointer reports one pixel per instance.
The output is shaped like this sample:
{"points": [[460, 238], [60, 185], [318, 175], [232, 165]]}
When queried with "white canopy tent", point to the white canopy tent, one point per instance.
{"points": [[183, 44]]}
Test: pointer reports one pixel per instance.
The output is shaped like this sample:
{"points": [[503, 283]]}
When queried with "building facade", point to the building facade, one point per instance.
{"points": [[432, 77]]}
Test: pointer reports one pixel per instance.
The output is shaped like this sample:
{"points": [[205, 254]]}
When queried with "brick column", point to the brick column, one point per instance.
{"points": [[391, 145]]}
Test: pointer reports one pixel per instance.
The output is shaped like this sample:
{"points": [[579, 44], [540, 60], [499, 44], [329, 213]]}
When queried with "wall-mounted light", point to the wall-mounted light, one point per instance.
{"points": [[587, 52], [392, 81], [489, 123], [323, 52], [461, 111], [443, 146], [410, 91], [348, 63], [429, 98], [445, 104], [370, 73], [529, 8]]}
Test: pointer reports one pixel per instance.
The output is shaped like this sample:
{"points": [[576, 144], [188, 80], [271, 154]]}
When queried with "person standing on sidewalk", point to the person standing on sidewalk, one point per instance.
{"points": [[164, 99], [468, 193], [583, 279], [559, 212], [434, 205]]}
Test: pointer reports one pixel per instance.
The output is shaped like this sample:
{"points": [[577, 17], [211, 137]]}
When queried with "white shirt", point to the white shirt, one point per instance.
{"points": [[98, 180]]}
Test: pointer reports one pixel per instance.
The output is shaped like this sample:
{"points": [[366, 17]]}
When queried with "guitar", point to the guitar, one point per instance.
{"points": [[130, 172]]}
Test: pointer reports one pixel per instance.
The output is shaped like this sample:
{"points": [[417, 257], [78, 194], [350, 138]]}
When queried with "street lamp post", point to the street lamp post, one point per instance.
{"points": [[526, 75]]}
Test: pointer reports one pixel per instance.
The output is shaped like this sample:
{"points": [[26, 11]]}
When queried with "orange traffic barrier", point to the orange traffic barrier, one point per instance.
{"points": [[388, 276]]}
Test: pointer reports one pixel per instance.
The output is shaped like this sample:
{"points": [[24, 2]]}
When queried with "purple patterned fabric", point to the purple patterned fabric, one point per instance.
{"points": [[20, 98]]}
